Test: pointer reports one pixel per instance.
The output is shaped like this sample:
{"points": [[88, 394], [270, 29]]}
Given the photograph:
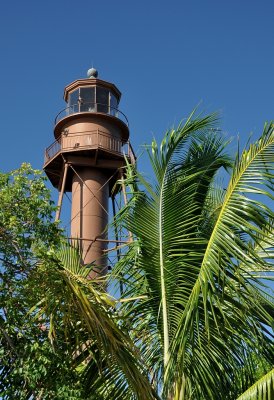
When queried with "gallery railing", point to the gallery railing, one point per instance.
{"points": [[87, 141]]}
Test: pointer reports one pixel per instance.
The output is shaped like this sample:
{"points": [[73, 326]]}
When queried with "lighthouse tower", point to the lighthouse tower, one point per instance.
{"points": [[87, 158]]}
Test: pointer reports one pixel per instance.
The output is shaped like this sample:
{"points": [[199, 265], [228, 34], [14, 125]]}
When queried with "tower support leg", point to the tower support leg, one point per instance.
{"points": [[61, 192], [130, 236]]}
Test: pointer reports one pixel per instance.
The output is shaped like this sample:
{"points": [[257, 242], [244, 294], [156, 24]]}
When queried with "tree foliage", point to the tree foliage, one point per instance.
{"points": [[29, 366]]}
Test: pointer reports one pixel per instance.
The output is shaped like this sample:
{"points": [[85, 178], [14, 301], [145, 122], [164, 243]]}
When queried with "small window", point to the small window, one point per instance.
{"points": [[87, 99], [102, 99], [113, 104], [73, 101]]}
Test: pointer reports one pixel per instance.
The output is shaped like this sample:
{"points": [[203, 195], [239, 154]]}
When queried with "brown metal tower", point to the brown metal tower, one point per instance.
{"points": [[87, 158]]}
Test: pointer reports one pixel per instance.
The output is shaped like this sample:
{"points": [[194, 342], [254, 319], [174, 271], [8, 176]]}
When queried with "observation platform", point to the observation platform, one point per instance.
{"points": [[88, 134]]}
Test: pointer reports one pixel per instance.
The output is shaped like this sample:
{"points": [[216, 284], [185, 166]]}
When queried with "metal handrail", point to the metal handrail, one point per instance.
{"points": [[52, 150], [57, 146], [93, 108]]}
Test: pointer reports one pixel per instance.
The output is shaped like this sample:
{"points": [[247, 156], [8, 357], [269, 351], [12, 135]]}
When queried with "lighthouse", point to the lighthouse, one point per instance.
{"points": [[87, 158]]}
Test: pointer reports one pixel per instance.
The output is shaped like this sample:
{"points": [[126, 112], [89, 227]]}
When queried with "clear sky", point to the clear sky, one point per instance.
{"points": [[165, 57]]}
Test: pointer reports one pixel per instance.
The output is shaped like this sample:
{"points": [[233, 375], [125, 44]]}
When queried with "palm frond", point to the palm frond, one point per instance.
{"points": [[220, 295], [167, 220]]}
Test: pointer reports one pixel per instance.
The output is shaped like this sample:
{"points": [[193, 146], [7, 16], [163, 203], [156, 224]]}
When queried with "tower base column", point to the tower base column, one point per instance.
{"points": [[89, 216]]}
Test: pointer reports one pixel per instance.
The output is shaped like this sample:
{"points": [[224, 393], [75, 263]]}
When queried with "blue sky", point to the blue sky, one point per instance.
{"points": [[165, 57]]}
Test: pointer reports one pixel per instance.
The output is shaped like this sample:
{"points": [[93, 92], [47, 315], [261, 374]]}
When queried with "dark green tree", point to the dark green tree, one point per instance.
{"points": [[29, 366]]}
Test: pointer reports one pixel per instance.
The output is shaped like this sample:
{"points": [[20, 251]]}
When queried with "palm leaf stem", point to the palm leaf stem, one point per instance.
{"points": [[163, 288]]}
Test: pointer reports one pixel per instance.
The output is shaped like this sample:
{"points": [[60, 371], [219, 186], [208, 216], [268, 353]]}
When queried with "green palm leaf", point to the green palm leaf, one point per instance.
{"points": [[219, 271], [263, 389]]}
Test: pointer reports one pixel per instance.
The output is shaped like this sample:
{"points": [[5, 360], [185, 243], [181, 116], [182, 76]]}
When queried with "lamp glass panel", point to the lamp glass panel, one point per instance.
{"points": [[102, 99], [87, 99], [73, 101]]}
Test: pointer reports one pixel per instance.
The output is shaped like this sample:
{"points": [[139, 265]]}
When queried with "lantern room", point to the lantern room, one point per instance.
{"points": [[92, 95]]}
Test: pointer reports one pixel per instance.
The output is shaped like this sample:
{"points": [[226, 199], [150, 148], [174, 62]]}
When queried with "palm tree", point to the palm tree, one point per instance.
{"points": [[193, 299]]}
